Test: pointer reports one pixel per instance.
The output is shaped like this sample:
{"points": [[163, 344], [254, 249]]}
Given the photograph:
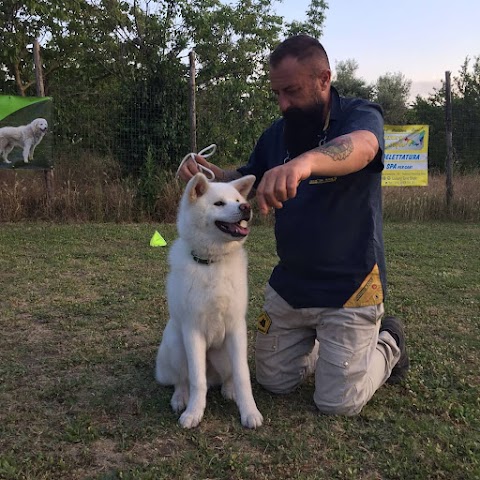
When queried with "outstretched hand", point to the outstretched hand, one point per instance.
{"points": [[281, 183]]}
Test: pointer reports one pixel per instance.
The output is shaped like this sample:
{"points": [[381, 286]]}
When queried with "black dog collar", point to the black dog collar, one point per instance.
{"points": [[202, 261]]}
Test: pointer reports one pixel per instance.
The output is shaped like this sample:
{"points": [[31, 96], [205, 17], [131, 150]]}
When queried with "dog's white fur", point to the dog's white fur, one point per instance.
{"points": [[27, 137], [205, 339]]}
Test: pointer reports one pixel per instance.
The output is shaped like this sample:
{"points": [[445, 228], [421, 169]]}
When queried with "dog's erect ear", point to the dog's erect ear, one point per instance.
{"points": [[244, 184], [196, 187]]}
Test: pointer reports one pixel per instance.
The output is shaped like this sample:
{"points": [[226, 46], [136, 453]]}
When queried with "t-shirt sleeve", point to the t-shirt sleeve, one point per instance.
{"points": [[368, 117]]}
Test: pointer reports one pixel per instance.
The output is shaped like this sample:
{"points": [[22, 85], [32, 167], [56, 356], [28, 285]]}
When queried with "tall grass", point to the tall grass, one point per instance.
{"points": [[89, 188], [429, 203]]}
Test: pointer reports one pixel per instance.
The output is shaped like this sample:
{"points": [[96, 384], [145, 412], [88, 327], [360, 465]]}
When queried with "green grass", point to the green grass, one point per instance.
{"points": [[82, 312]]}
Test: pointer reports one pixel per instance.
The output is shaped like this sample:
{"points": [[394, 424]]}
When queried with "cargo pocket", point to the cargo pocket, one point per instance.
{"points": [[266, 343], [331, 376], [266, 361]]}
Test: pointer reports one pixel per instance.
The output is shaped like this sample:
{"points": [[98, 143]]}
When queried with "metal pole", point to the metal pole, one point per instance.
{"points": [[48, 174], [449, 138]]}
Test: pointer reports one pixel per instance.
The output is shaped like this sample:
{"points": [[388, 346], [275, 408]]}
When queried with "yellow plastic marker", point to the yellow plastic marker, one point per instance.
{"points": [[157, 240]]}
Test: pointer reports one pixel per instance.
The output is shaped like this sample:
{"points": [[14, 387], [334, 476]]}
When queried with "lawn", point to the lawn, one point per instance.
{"points": [[82, 312]]}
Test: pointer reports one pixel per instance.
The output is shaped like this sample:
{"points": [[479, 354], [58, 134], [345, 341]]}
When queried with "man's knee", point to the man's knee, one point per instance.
{"points": [[278, 382], [278, 371], [337, 396], [347, 408]]}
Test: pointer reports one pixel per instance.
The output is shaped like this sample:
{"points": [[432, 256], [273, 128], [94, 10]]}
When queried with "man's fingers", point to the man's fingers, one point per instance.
{"points": [[201, 160], [269, 194], [265, 205], [189, 169], [291, 187], [276, 187]]}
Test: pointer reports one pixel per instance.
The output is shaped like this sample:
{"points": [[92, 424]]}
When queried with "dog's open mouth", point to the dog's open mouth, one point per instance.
{"points": [[239, 229]]}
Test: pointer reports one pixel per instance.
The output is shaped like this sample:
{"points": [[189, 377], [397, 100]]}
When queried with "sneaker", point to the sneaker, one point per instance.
{"points": [[394, 327]]}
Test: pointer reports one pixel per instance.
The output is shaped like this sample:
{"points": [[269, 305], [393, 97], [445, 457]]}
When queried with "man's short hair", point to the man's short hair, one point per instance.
{"points": [[302, 47]]}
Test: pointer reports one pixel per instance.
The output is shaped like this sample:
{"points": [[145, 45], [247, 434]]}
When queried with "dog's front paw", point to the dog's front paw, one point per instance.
{"points": [[252, 419], [190, 419]]}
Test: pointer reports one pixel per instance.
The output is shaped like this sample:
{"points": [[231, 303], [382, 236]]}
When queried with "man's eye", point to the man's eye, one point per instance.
{"points": [[219, 203]]}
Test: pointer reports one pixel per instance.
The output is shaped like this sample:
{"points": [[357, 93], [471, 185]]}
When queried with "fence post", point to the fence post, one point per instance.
{"points": [[193, 108], [48, 174], [449, 138], [38, 69]]}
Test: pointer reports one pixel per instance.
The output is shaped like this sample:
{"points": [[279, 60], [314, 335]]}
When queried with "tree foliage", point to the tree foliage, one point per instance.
{"points": [[119, 68], [118, 72], [348, 83], [313, 25], [392, 92], [466, 114], [466, 118]]}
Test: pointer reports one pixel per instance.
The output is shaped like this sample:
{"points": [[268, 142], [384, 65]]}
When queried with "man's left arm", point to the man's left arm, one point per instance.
{"points": [[341, 156]]}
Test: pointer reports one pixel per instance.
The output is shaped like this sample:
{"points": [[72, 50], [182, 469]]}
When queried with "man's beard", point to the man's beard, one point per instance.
{"points": [[303, 128]]}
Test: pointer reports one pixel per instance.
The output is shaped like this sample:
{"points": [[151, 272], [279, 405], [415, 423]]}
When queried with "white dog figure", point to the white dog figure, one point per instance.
{"points": [[205, 339], [26, 137]]}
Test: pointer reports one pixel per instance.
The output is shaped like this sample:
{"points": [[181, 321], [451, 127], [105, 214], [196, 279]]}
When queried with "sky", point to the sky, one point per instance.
{"points": [[421, 39]]}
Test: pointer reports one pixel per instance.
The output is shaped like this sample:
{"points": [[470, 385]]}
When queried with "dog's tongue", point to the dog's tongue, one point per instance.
{"points": [[234, 229], [239, 230]]}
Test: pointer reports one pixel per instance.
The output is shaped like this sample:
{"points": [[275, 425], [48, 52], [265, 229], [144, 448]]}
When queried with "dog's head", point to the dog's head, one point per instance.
{"points": [[215, 213], [40, 125]]}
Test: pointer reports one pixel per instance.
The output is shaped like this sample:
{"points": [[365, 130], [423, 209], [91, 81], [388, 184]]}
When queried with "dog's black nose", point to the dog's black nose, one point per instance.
{"points": [[245, 207], [246, 210]]}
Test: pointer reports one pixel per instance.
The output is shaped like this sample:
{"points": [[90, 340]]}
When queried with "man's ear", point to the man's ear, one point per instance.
{"points": [[325, 78]]}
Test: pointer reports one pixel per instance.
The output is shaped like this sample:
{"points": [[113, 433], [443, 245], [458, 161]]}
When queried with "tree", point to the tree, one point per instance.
{"points": [[391, 91], [118, 68], [466, 114], [432, 113], [466, 118], [347, 83], [232, 44], [313, 25], [21, 24], [72, 33]]}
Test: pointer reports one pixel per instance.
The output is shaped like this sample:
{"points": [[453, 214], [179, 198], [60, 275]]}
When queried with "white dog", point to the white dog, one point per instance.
{"points": [[205, 340], [26, 137]]}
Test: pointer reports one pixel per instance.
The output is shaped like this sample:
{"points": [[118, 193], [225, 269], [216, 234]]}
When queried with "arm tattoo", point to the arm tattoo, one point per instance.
{"points": [[337, 149]]}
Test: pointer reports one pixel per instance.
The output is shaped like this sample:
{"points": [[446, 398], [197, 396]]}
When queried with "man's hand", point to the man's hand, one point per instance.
{"points": [[191, 167], [280, 183]]}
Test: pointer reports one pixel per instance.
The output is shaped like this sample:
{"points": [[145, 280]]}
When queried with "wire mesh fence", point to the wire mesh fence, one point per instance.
{"points": [[103, 140]]}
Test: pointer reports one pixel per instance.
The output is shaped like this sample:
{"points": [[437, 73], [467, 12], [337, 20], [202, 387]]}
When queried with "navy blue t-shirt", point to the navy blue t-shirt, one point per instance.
{"points": [[330, 236]]}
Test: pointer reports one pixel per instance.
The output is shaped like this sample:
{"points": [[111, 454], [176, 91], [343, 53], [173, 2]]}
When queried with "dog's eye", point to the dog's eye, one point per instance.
{"points": [[219, 203]]}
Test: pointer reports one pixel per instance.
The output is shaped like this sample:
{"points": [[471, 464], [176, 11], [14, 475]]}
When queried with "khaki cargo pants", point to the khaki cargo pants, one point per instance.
{"points": [[342, 346]]}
